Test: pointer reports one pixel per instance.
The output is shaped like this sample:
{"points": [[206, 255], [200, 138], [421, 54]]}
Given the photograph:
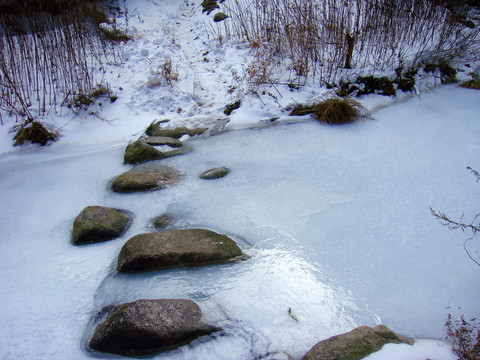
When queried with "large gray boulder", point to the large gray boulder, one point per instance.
{"points": [[98, 223], [155, 130], [356, 344], [146, 327], [143, 178], [138, 152], [165, 249]]}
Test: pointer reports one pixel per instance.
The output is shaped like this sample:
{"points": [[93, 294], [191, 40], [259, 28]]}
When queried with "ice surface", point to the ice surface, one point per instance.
{"points": [[336, 221]]}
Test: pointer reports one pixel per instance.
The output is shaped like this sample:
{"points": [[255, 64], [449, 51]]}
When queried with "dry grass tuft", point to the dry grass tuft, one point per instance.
{"points": [[471, 84], [34, 133], [333, 111]]}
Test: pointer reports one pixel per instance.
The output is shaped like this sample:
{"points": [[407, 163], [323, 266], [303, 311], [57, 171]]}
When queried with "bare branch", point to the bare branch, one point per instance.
{"points": [[474, 172]]}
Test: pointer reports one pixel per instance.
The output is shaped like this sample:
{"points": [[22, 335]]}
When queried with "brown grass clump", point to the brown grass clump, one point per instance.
{"points": [[471, 84], [34, 133], [333, 111]]}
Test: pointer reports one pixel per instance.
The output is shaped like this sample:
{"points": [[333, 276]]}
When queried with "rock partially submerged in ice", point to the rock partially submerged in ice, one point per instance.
{"points": [[166, 249], [356, 344], [143, 178], [215, 173], [163, 140], [155, 130], [138, 152], [98, 223], [146, 327]]}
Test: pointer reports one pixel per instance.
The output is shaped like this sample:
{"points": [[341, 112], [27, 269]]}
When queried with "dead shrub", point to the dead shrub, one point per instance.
{"points": [[465, 337], [333, 111], [34, 132], [168, 72], [83, 101], [115, 35]]}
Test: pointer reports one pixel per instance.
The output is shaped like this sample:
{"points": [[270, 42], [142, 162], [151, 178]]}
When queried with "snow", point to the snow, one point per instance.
{"points": [[336, 220]]}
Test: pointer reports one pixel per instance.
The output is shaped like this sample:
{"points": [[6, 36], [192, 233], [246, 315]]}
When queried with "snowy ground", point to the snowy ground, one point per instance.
{"points": [[336, 219]]}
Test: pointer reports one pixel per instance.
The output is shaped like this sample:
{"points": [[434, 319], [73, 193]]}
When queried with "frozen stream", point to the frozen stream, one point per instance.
{"points": [[336, 220]]}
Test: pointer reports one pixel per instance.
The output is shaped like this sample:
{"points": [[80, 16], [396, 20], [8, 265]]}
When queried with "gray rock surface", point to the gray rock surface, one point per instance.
{"points": [[215, 173], [155, 130], [163, 140], [143, 178], [166, 249], [146, 327], [355, 345], [98, 223]]}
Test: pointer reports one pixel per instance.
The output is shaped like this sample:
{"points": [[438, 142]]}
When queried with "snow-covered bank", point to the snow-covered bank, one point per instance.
{"points": [[336, 220]]}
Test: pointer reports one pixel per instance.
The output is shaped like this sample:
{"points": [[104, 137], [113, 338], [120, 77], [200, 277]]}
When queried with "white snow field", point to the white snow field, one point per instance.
{"points": [[336, 219]]}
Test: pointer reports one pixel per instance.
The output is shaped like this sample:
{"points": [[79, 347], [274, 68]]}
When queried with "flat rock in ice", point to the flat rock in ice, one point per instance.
{"points": [[143, 178], [166, 249], [163, 140]]}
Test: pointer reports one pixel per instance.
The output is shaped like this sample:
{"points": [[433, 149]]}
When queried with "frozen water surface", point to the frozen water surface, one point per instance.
{"points": [[336, 222]]}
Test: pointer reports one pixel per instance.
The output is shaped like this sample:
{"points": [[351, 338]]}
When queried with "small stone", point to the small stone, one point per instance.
{"points": [[163, 221], [215, 173], [98, 223], [174, 248], [143, 178], [220, 16], [147, 327]]}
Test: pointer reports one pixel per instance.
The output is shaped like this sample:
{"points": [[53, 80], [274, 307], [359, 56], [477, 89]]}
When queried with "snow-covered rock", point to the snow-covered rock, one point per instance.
{"points": [[355, 345]]}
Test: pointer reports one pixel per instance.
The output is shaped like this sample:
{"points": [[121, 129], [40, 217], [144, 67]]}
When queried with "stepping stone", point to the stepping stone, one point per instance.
{"points": [[138, 152], [147, 327], [155, 130], [143, 178], [174, 248], [98, 223], [163, 140], [215, 173], [356, 344]]}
